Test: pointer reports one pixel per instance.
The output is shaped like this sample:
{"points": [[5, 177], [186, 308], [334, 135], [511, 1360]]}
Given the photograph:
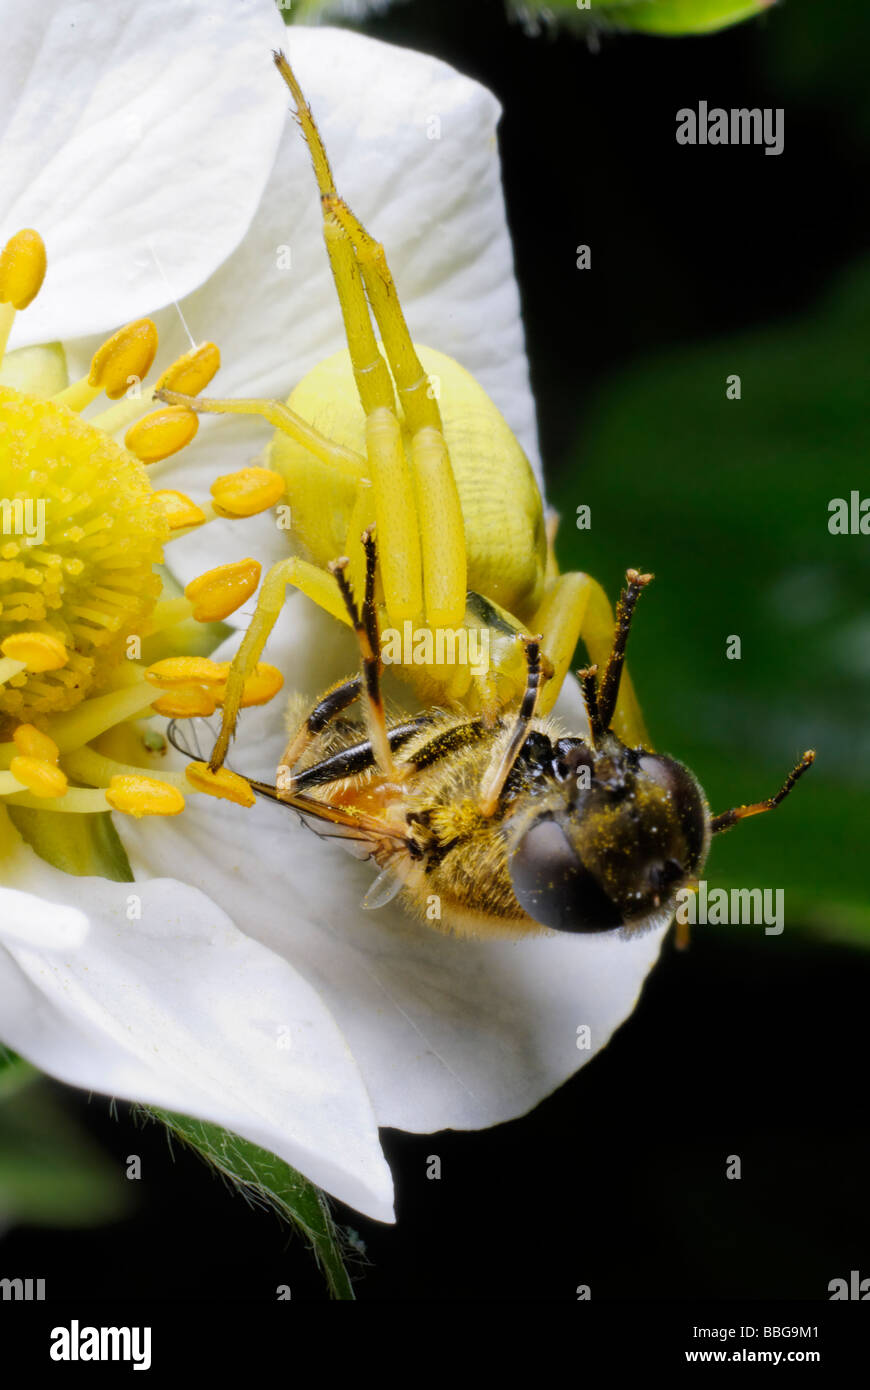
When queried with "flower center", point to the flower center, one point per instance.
{"points": [[80, 530]]}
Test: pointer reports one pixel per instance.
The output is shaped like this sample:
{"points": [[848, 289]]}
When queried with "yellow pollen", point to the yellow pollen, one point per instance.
{"points": [[40, 651], [219, 592], [162, 433], [247, 492], [186, 702], [22, 268], [186, 670], [225, 785], [178, 510], [38, 776], [33, 743], [128, 354], [192, 372], [144, 796]]}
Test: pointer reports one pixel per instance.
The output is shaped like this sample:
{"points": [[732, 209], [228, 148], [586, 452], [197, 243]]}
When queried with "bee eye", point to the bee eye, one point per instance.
{"points": [[687, 798], [551, 884]]}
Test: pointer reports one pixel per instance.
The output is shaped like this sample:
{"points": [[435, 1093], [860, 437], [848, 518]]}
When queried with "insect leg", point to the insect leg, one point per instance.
{"points": [[608, 689], [365, 625], [497, 773], [336, 699], [575, 606]]}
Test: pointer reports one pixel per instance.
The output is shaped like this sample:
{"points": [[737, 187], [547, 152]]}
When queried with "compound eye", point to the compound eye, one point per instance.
{"points": [[687, 798], [571, 755], [553, 887]]}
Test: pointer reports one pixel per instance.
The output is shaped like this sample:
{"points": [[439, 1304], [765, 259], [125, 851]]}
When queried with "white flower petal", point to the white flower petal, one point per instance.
{"points": [[180, 1009], [447, 1032], [109, 117]]}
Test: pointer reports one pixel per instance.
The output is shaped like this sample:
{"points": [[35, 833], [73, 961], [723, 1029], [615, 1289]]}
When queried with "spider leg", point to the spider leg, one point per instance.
{"points": [[417, 509]]}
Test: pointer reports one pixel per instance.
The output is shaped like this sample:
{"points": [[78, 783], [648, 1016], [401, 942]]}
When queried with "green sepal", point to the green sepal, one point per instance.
{"points": [[260, 1174], [84, 845]]}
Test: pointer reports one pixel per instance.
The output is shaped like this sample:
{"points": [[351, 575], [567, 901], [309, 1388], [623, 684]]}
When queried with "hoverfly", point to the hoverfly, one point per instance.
{"points": [[481, 811], [505, 826]]}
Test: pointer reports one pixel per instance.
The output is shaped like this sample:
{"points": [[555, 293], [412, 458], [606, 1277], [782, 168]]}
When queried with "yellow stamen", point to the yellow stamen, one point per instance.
{"points": [[38, 650], [219, 592], [247, 492], [260, 687], [22, 268], [192, 372], [225, 785], [33, 743], [87, 765], [128, 353], [179, 511], [122, 361], [186, 670], [43, 779], [186, 702], [144, 796], [162, 433]]}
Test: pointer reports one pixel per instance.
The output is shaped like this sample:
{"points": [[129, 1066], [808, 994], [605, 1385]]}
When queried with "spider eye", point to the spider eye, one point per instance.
{"points": [[552, 885]]}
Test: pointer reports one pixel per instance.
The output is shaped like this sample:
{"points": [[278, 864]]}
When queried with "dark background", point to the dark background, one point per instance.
{"points": [[745, 1044]]}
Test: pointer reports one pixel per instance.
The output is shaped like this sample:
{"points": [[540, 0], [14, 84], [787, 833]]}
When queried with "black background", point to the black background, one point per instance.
{"points": [[617, 1181]]}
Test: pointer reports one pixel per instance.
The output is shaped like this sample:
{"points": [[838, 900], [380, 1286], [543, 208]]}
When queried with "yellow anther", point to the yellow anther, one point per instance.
{"points": [[179, 511], [192, 372], [219, 592], [38, 650], [127, 354], [39, 777], [33, 743], [185, 702], [22, 268], [186, 670], [247, 492], [260, 687], [225, 785], [143, 796], [162, 433]]}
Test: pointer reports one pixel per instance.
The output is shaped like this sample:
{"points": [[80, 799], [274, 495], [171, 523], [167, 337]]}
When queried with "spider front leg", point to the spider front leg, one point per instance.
{"points": [[417, 510]]}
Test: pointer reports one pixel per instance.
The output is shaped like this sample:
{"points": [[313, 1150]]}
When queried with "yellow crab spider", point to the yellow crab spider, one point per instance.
{"points": [[463, 545]]}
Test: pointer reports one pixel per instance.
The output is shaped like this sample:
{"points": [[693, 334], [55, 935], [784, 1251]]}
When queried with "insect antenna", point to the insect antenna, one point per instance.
{"points": [[755, 808]]}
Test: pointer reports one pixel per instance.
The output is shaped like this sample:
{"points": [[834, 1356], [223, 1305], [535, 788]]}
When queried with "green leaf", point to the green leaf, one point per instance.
{"points": [[86, 845], [266, 1178], [50, 1172], [727, 501], [669, 18], [15, 1073]]}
